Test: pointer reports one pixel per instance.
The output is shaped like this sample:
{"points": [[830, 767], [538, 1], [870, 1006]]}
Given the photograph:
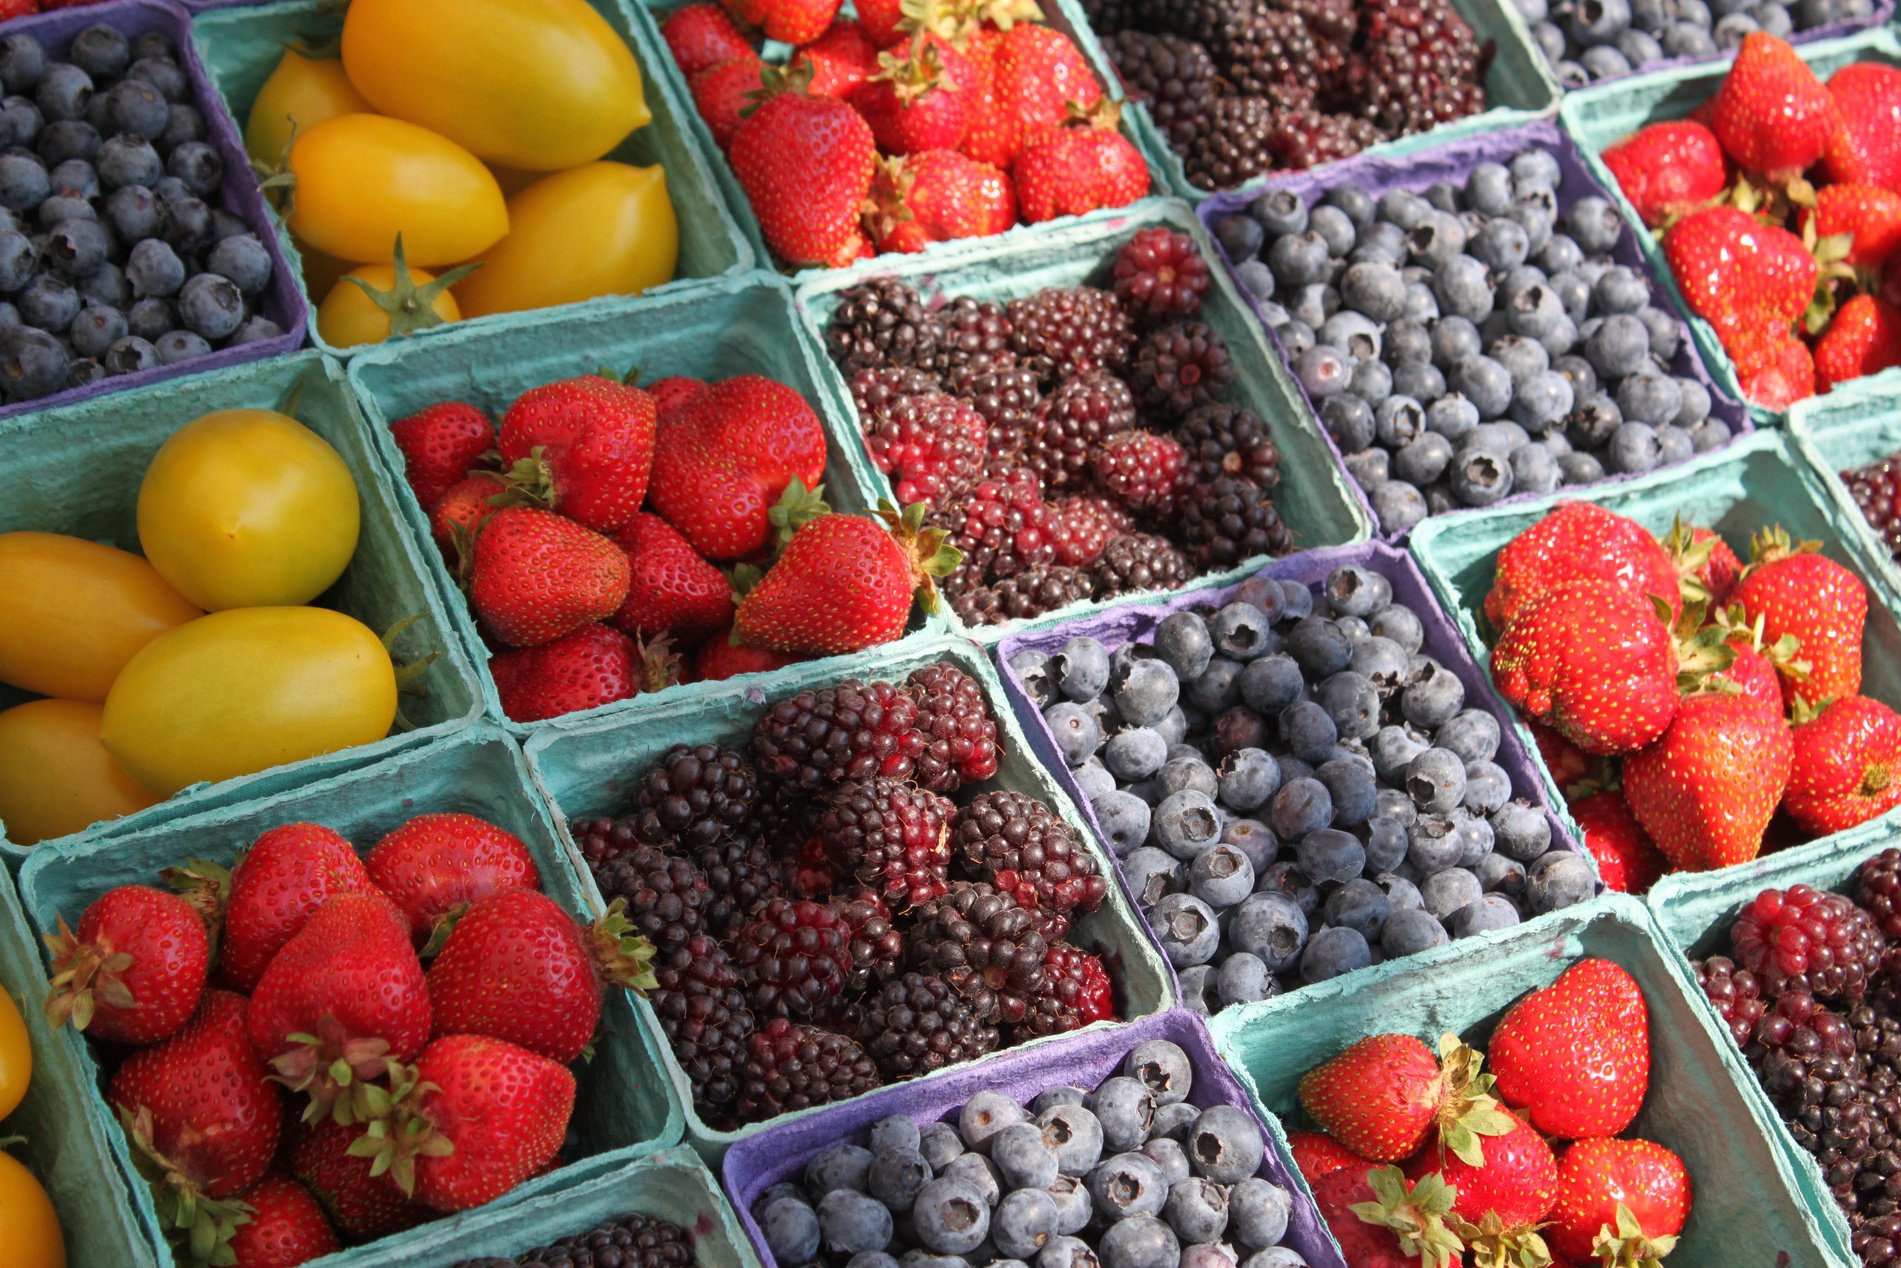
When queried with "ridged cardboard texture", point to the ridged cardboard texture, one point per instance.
{"points": [[1454, 162], [593, 767], [1841, 432], [1085, 1060], [623, 1106], [1702, 1102], [241, 45], [76, 469], [1315, 497]]}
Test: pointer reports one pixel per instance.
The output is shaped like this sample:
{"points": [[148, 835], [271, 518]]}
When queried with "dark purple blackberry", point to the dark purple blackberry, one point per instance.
{"points": [[1876, 489], [1198, 20], [1333, 22], [1109, 16], [1227, 439], [1081, 414], [882, 322], [874, 942], [1008, 399], [1733, 993], [960, 736], [1071, 330], [1002, 526], [981, 942], [1017, 843], [1084, 522], [1307, 138], [1178, 367], [1037, 590], [919, 1023], [1174, 76], [1230, 519], [931, 446], [1231, 146], [666, 895], [638, 1241], [1878, 891], [704, 1016], [793, 1067], [694, 795], [741, 876], [1160, 274], [1423, 66], [852, 730], [890, 835], [974, 337], [874, 392], [1263, 52], [1077, 991], [1140, 561], [793, 957]]}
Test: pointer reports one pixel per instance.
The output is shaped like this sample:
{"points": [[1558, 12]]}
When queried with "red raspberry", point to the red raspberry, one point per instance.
{"points": [[1083, 526]]}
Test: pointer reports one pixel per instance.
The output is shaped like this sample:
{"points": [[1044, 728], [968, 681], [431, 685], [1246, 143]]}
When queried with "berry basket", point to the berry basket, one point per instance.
{"points": [[593, 767], [1702, 1103], [754, 1165], [1841, 434], [623, 1108], [237, 194], [77, 469], [1136, 623], [1454, 162], [241, 45], [736, 325], [1315, 498]]}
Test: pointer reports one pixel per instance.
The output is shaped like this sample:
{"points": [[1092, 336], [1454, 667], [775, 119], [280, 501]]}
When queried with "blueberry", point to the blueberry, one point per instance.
{"points": [[63, 92], [1240, 237], [1358, 904], [96, 329], [1436, 778], [1221, 877], [1308, 730], [896, 1132], [1270, 684], [1242, 978], [1491, 911], [1183, 642], [940, 1144], [1322, 371], [1197, 1209], [1558, 879], [1521, 830], [1432, 845], [1077, 734], [1073, 1204], [1335, 227], [950, 1217], [1541, 401], [1352, 786], [22, 62], [1634, 449], [1481, 476], [1397, 505], [1298, 259], [1135, 753], [1318, 646], [1073, 1135], [1246, 778], [1386, 842], [1379, 659], [24, 183], [244, 260], [791, 1228], [1023, 1156], [1174, 1122], [1140, 1241], [1125, 819], [1333, 951], [32, 363], [183, 125], [1411, 930], [1709, 435], [1093, 778], [1186, 824], [1280, 212], [1198, 989], [1463, 287], [1487, 786], [1254, 839], [1081, 670], [1226, 1145], [839, 1167], [76, 247], [1187, 929], [851, 1222], [986, 1114], [1353, 201], [130, 355], [1129, 1184], [1444, 892], [1500, 874], [1433, 696], [978, 1172], [1024, 1222], [876, 1259], [1145, 692], [1065, 1251]]}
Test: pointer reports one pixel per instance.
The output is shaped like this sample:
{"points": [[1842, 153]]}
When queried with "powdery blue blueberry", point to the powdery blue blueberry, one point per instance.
{"points": [[1077, 734], [1445, 891], [977, 1171], [1246, 778], [1492, 911], [1254, 839], [1332, 952], [1271, 926], [1500, 874], [1318, 646], [1353, 787], [1134, 753], [1024, 1158], [1093, 778], [1140, 1241], [1064, 1252], [1535, 468], [1186, 824], [1433, 695], [1436, 778], [1152, 873], [1226, 1145], [851, 1222], [1480, 476], [1258, 1212], [1557, 879], [1392, 749], [1125, 819], [838, 1167], [1358, 904], [1634, 449], [1432, 845], [1280, 212], [1197, 1209], [1308, 731], [1521, 830], [1221, 877], [1024, 1222], [950, 1217], [1487, 786], [791, 1228], [1145, 693], [1182, 641], [940, 1144], [1073, 1204], [1240, 236], [1187, 929], [1398, 505], [1242, 632], [1411, 930], [1129, 1183], [1242, 978], [1298, 259], [1330, 855]]}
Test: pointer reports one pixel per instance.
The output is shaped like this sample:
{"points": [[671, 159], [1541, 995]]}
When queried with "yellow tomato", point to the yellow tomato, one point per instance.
{"points": [[321, 271], [347, 317], [72, 613], [29, 1227], [536, 84], [248, 507], [16, 1055], [362, 179], [243, 690], [55, 777], [602, 229], [301, 93]]}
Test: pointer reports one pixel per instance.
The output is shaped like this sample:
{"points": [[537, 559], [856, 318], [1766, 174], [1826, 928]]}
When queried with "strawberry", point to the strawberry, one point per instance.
{"points": [[1847, 765], [798, 21], [1864, 338], [1630, 1197], [720, 657], [935, 196], [1381, 1220], [435, 863], [1739, 274], [440, 445], [724, 91], [518, 967], [1568, 763], [460, 513], [1516, 1179], [1038, 76], [671, 589], [1317, 1154], [1076, 169], [1574, 1056], [340, 1003], [805, 163], [583, 447], [728, 457], [881, 19], [1593, 662], [1666, 169], [919, 96], [1865, 147], [593, 666], [1706, 567], [1793, 590], [202, 1114], [1869, 214], [1706, 790], [1577, 540], [671, 393], [1627, 859], [287, 1226], [134, 970], [538, 575], [992, 133], [1386, 1094], [286, 875], [361, 1205], [846, 582], [702, 35], [17, 8], [1776, 368], [840, 60], [1771, 114]]}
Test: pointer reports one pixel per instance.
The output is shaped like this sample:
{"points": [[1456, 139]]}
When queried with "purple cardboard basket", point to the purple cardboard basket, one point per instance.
{"points": [[238, 194], [1136, 622], [758, 1162], [1454, 162]]}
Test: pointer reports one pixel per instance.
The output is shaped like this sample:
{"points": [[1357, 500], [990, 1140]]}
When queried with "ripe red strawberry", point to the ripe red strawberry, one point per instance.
{"points": [[1568, 763], [440, 444], [720, 658], [342, 1001], [702, 35], [134, 970], [361, 1205], [1864, 338], [1382, 1220], [1073, 170], [724, 91], [1741, 275], [1794, 590], [1865, 148], [437, 862], [1707, 568], [460, 513], [846, 582], [518, 967], [992, 132], [538, 575], [672, 392], [18, 8], [1574, 1057], [1577, 540], [1037, 75], [1847, 765], [935, 196], [881, 19], [805, 163], [791, 21], [1706, 790], [286, 875], [1771, 114], [1627, 859], [1776, 368], [726, 459], [919, 97], [1386, 1094], [1317, 1154], [671, 589], [841, 59], [1627, 1196], [1516, 1179], [287, 1226], [583, 447], [1666, 169], [1870, 214], [1594, 663], [593, 666]]}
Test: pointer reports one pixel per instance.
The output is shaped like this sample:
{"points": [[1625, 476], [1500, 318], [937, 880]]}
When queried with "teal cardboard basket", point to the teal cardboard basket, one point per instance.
{"points": [[1597, 118], [77, 470], [592, 767], [240, 46], [1315, 498], [737, 325], [1843, 431], [624, 1106], [1703, 1103], [1759, 481]]}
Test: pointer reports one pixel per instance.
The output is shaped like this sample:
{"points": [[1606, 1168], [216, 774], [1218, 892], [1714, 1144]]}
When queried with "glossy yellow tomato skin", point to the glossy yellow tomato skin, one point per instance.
{"points": [[301, 93], [247, 689], [56, 778], [29, 1227], [535, 84], [347, 318], [16, 1055], [73, 612], [247, 508], [362, 179], [602, 229]]}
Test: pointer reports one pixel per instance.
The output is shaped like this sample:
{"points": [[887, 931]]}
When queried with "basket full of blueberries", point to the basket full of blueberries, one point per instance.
{"points": [[1588, 42]]}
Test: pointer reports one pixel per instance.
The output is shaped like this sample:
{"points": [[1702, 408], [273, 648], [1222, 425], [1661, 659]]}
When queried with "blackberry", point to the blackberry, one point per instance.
{"points": [[793, 1067], [1008, 399], [1109, 16], [974, 337], [1140, 561], [875, 391], [1070, 330], [890, 835], [1809, 940], [852, 730], [1878, 890], [882, 322], [704, 1016], [808, 872], [875, 944], [637, 1241], [666, 895], [1199, 20], [931, 446], [1307, 138], [1180, 366], [1333, 22], [793, 957], [1230, 519], [960, 735], [919, 1023], [1144, 471], [1077, 992], [1084, 523], [1159, 273], [1231, 146], [1734, 994], [1263, 52], [1876, 489], [1002, 527], [1174, 76], [1035, 591], [741, 877], [985, 945], [1227, 439], [1079, 416], [1422, 66], [1017, 843], [694, 795]]}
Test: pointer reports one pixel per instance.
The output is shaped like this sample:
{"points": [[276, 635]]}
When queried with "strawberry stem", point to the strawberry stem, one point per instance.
{"points": [[1416, 1214]]}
